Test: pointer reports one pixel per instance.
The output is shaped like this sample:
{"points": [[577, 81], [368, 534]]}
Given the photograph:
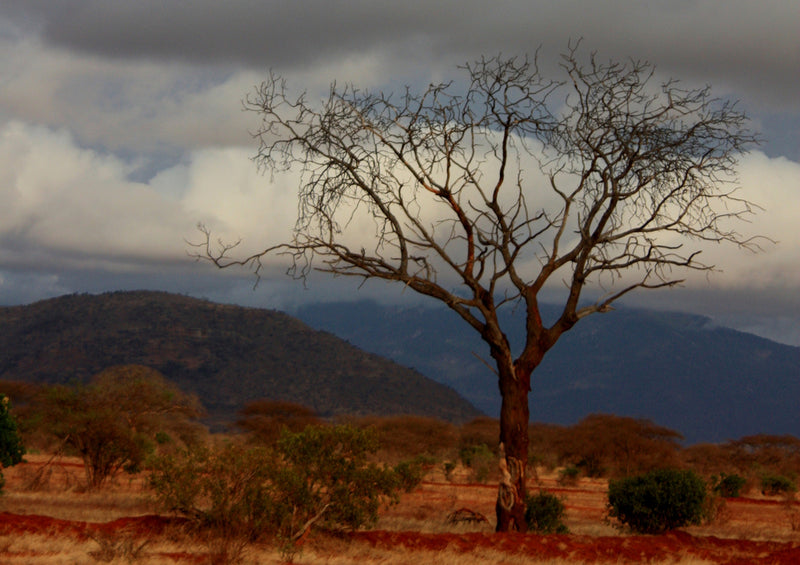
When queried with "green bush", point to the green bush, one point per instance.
{"points": [[544, 514], [480, 460], [776, 484], [11, 449], [568, 476], [318, 476], [728, 486], [409, 474], [657, 501]]}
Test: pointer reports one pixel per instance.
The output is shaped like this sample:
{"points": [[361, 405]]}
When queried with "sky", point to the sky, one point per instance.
{"points": [[121, 128]]}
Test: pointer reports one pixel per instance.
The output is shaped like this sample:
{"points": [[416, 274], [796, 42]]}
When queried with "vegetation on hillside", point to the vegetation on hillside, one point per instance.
{"points": [[228, 355]]}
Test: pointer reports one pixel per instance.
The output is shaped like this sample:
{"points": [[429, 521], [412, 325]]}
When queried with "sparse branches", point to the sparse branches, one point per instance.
{"points": [[485, 196]]}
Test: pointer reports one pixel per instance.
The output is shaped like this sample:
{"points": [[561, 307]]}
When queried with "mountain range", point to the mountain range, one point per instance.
{"points": [[681, 371], [707, 382], [227, 355]]}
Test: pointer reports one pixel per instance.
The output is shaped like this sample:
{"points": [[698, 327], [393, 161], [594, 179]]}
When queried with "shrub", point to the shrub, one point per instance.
{"points": [[544, 513], [326, 473], [11, 449], [776, 484], [657, 501], [728, 486], [319, 475], [409, 473], [568, 476], [480, 459]]}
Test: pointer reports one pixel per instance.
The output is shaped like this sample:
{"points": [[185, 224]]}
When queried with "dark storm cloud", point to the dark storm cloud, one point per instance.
{"points": [[754, 46]]}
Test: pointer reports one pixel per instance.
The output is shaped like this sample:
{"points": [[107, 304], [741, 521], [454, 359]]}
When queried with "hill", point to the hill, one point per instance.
{"points": [[709, 383], [228, 355]]}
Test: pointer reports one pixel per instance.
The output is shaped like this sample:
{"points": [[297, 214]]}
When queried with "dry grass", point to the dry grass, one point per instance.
{"points": [[414, 531]]}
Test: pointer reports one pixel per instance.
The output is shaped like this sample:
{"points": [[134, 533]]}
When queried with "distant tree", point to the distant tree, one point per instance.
{"points": [[408, 436], [605, 444], [112, 422], [266, 419], [627, 172]]}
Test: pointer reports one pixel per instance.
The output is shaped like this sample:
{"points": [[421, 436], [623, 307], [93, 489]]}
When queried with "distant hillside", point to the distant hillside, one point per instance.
{"points": [[709, 383], [228, 355]]}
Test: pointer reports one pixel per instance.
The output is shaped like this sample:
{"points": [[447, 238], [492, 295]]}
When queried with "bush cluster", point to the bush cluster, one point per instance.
{"points": [[658, 501], [728, 486]]}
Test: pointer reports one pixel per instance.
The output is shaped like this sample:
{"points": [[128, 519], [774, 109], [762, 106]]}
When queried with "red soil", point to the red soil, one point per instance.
{"points": [[585, 549]]}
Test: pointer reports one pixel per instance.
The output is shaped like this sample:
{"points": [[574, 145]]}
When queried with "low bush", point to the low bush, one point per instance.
{"points": [[318, 476], [544, 514], [568, 476], [728, 486], [772, 485], [479, 459], [658, 501]]}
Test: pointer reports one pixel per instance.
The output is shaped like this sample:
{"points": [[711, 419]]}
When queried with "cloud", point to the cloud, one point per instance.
{"points": [[70, 205], [745, 46]]}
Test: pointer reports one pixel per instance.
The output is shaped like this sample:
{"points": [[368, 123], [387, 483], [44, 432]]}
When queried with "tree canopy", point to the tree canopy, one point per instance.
{"points": [[481, 193]]}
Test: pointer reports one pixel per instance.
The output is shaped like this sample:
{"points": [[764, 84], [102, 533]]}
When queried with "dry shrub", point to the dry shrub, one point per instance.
{"points": [[117, 545], [481, 430], [409, 437], [545, 445], [619, 446], [266, 419]]}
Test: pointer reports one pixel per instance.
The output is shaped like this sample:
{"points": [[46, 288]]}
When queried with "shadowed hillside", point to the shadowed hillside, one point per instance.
{"points": [[707, 382], [228, 355]]}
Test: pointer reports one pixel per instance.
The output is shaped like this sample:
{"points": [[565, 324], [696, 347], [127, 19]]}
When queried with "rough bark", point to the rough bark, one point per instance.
{"points": [[514, 416]]}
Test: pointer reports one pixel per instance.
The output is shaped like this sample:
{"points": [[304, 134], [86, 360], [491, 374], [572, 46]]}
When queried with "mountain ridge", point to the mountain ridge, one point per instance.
{"points": [[680, 370], [226, 354]]}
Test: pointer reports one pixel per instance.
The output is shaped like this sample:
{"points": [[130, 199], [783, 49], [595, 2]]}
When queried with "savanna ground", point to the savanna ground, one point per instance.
{"points": [[48, 518]]}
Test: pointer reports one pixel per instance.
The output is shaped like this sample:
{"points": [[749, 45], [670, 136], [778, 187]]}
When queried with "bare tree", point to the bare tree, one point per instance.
{"points": [[482, 196]]}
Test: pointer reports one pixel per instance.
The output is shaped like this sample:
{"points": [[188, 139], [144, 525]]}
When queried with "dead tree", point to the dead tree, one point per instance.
{"points": [[481, 196]]}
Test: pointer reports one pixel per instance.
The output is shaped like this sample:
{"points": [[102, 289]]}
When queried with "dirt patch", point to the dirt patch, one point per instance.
{"points": [[586, 549]]}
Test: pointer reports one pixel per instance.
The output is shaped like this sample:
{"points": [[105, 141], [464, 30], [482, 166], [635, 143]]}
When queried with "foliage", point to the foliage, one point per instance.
{"points": [[228, 491], [320, 475], [609, 445], [568, 476], [266, 419], [480, 460], [11, 448], [658, 501], [728, 486], [777, 484], [410, 473], [474, 452], [544, 514], [112, 422], [327, 467], [409, 436]]}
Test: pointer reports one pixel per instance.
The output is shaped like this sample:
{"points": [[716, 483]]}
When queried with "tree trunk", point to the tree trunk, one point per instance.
{"points": [[514, 415]]}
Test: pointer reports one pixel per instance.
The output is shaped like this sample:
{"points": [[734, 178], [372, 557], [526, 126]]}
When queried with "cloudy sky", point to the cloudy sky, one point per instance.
{"points": [[121, 127]]}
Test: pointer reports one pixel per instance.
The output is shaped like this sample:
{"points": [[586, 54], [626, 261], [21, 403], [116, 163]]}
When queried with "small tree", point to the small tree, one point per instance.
{"points": [[112, 421], [625, 173]]}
